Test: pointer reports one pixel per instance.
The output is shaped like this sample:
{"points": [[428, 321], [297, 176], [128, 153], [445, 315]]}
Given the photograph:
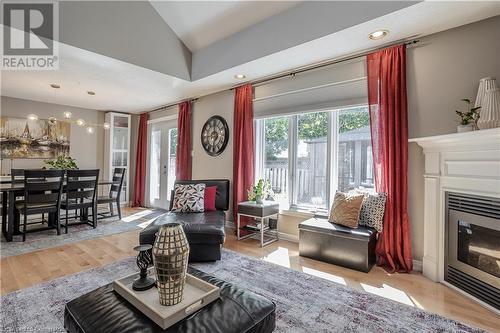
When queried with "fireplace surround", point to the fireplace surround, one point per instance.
{"points": [[465, 166]]}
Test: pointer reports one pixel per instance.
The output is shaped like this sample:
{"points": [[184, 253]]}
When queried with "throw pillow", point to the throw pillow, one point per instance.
{"points": [[372, 209], [345, 209], [189, 198], [210, 194]]}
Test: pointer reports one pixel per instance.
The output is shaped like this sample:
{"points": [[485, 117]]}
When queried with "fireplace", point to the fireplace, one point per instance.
{"points": [[472, 260]]}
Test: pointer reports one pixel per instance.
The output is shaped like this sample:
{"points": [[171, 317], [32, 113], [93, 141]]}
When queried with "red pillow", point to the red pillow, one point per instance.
{"points": [[210, 193]]}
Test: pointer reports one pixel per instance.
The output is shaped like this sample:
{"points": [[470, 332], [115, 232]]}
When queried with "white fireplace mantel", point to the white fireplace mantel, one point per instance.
{"points": [[462, 162]]}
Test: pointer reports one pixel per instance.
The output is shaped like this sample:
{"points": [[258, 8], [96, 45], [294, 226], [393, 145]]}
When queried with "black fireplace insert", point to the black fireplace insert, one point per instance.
{"points": [[473, 245]]}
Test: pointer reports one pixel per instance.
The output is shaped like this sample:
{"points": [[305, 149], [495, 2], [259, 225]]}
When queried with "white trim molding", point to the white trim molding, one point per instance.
{"points": [[467, 163]]}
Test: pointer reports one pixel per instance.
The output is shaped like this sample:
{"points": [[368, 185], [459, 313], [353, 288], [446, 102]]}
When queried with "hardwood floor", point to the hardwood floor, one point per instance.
{"points": [[28, 269]]}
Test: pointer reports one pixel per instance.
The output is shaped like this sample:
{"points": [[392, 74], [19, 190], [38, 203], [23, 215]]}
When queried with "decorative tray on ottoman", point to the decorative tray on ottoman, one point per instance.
{"points": [[197, 294]]}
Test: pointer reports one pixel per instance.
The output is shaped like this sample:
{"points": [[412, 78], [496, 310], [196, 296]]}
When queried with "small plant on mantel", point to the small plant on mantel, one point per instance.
{"points": [[62, 162], [469, 118]]}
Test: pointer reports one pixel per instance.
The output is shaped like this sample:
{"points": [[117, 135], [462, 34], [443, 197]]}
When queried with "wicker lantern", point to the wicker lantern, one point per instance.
{"points": [[170, 256]]}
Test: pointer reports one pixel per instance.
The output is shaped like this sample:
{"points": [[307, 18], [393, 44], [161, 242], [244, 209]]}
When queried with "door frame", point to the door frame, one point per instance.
{"points": [[166, 119]]}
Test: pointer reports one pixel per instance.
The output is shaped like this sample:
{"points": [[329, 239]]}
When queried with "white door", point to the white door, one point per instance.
{"points": [[162, 153]]}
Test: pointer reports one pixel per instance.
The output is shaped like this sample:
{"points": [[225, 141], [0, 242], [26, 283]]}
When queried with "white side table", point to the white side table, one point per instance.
{"points": [[261, 212]]}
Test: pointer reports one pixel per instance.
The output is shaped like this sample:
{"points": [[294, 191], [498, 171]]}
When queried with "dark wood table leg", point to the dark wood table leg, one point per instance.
{"points": [[17, 222], [4, 213], [85, 214], [10, 219]]}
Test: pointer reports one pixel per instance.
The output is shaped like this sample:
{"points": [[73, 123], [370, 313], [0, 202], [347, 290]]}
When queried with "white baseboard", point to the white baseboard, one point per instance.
{"points": [[281, 235], [417, 265], [288, 237]]}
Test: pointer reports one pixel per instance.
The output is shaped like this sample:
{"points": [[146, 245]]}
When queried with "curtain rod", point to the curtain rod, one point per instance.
{"points": [[303, 69], [258, 82], [172, 105]]}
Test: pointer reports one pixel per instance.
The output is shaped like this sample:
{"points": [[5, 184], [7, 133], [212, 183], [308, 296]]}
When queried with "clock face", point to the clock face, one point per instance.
{"points": [[215, 135]]}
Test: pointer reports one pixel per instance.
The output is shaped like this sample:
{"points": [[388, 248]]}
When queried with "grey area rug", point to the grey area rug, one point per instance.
{"points": [[304, 303], [49, 238]]}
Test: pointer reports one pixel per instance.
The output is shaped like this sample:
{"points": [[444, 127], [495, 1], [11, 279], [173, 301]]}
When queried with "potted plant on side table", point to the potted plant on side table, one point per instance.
{"points": [[260, 192]]}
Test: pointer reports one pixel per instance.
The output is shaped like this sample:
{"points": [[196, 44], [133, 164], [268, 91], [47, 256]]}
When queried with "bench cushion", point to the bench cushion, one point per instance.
{"points": [[322, 225]]}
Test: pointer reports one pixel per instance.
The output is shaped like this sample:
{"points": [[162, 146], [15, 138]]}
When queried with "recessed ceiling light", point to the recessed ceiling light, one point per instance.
{"points": [[240, 76], [379, 34], [32, 116], [55, 86], [91, 93]]}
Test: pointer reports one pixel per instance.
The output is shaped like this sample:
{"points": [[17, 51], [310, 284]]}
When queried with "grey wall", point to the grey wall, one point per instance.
{"points": [[204, 165], [87, 149], [441, 70]]}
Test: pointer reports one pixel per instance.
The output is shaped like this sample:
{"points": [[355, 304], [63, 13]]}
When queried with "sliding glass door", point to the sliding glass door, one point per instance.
{"points": [[162, 154]]}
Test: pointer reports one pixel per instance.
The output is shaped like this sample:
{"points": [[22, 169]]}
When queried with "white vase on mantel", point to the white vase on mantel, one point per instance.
{"points": [[490, 109], [464, 128], [485, 84]]}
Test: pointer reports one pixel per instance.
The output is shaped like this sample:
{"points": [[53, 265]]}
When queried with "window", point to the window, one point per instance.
{"points": [[172, 154], [307, 157], [354, 150], [276, 167], [311, 160], [155, 168]]}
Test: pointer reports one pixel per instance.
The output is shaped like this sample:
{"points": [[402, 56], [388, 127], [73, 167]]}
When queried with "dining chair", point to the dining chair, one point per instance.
{"points": [[80, 194], [42, 194], [114, 194], [17, 177]]}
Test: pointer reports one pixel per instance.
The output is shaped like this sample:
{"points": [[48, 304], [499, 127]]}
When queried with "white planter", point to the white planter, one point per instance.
{"points": [[490, 109], [464, 128]]}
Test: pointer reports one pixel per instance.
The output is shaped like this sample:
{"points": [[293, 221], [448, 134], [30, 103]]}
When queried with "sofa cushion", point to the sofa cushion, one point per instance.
{"points": [[372, 209], [345, 209], [189, 198], [200, 228], [222, 195], [210, 194]]}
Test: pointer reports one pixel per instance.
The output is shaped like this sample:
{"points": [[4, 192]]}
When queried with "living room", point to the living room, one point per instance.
{"points": [[307, 165]]}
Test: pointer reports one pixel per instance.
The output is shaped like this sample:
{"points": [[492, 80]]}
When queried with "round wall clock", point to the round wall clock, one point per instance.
{"points": [[215, 135]]}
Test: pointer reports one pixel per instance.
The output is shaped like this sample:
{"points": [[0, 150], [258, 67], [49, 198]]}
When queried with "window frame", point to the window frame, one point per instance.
{"points": [[293, 140]]}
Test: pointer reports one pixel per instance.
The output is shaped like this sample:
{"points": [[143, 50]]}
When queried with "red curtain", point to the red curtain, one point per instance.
{"points": [[243, 154], [389, 130], [183, 163], [140, 162]]}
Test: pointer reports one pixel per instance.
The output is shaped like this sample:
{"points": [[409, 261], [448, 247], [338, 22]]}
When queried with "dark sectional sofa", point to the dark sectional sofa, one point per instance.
{"points": [[204, 231]]}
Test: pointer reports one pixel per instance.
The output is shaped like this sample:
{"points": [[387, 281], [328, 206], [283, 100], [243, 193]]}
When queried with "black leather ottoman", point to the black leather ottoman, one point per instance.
{"points": [[336, 244], [237, 310]]}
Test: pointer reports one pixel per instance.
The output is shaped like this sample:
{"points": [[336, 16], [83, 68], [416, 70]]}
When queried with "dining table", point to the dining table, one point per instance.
{"points": [[9, 192]]}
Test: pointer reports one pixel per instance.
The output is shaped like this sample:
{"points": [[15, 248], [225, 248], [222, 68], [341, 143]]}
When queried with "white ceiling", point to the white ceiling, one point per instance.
{"points": [[201, 23], [125, 87]]}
